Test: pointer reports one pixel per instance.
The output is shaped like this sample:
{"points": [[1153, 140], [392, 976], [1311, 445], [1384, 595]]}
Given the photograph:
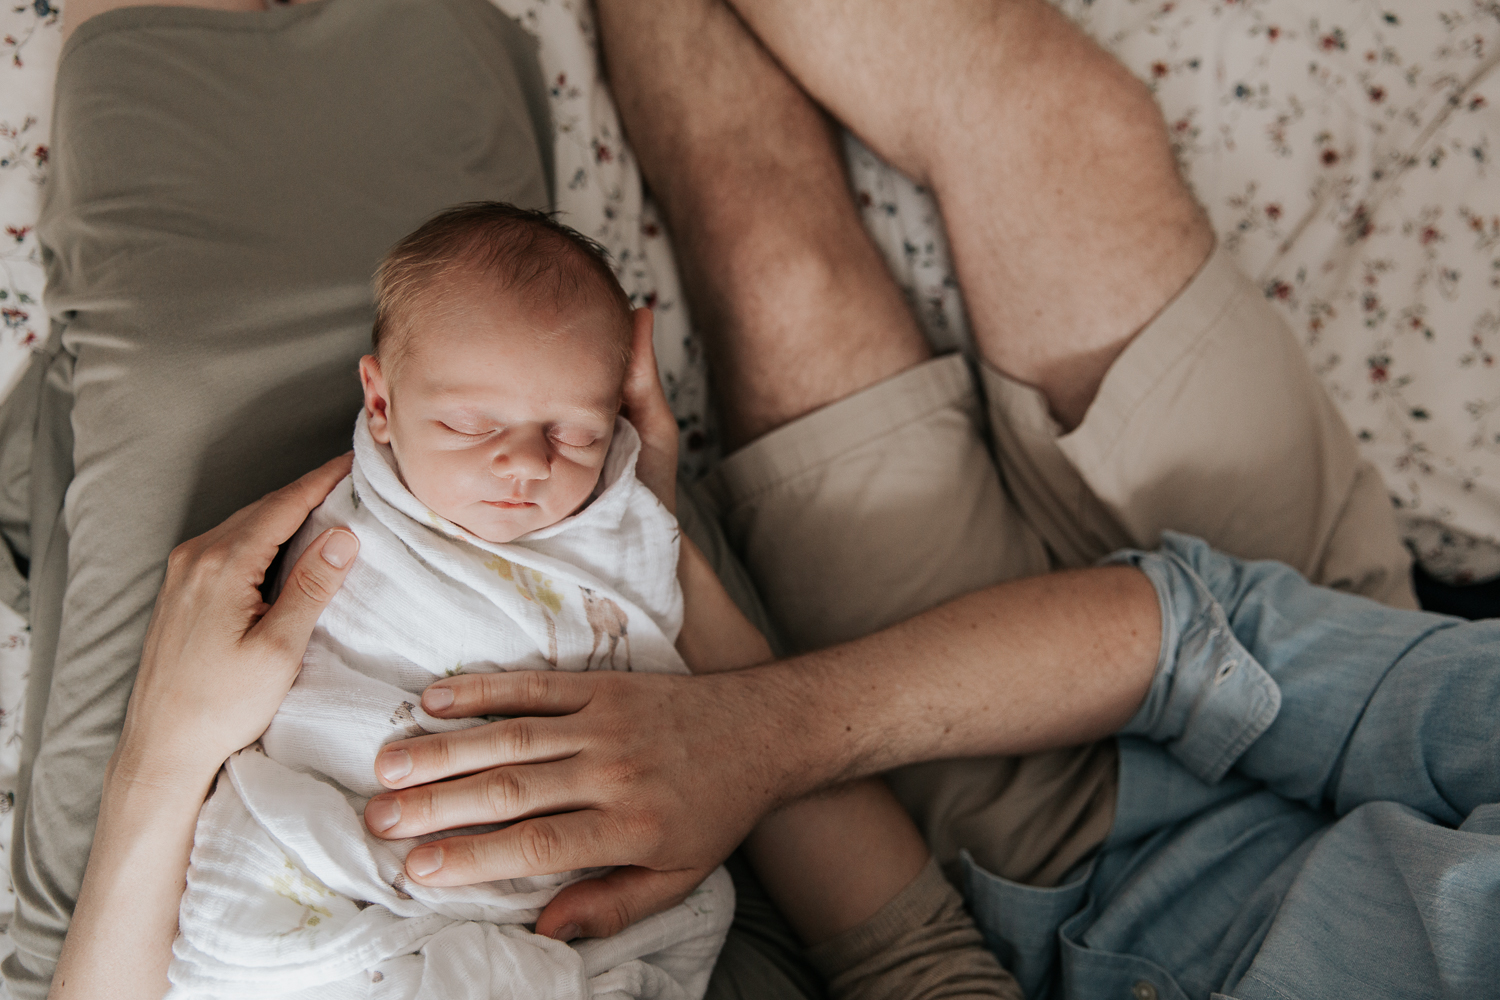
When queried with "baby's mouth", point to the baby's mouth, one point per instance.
{"points": [[509, 504]]}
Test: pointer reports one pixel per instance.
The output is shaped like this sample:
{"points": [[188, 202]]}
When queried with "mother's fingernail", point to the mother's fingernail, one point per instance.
{"points": [[435, 699], [393, 765], [566, 932], [424, 860], [382, 814], [339, 548]]}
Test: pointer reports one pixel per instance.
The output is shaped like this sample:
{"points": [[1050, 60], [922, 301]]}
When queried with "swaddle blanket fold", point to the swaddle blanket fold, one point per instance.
{"points": [[288, 895]]}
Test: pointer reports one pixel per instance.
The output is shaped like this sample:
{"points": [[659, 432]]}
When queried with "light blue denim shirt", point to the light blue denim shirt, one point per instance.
{"points": [[1307, 806]]}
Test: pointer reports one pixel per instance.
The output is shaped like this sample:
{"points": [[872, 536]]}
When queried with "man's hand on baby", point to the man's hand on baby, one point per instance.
{"points": [[585, 784]]}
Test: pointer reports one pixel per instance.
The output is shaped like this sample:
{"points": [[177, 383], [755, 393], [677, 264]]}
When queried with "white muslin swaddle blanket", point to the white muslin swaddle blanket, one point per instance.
{"points": [[288, 895]]}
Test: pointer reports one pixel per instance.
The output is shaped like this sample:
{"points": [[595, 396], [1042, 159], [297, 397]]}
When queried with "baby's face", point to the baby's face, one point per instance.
{"points": [[500, 416]]}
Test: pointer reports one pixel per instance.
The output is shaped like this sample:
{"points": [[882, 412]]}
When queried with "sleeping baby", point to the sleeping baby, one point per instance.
{"points": [[501, 527]]}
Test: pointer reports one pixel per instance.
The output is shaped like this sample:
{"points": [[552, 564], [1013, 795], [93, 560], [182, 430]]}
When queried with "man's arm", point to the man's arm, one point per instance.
{"points": [[669, 773]]}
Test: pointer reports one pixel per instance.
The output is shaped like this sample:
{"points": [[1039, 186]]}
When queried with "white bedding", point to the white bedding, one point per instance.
{"points": [[1342, 147]]}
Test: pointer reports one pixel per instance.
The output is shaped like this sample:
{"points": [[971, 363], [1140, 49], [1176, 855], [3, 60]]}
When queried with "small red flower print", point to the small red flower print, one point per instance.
{"points": [[1273, 32], [13, 317], [1361, 226], [651, 230], [562, 79], [865, 201], [1273, 211], [1430, 235], [1330, 157], [1476, 102], [1370, 56], [17, 232], [1333, 40], [1159, 69], [41, 154], [1380, 368], [1371, 302], [29, 339], [1377, 94], [650, 300], [1279, 289]]}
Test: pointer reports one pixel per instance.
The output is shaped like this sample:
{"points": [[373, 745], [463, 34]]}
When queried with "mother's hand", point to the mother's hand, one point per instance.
{"points": [[645, 406], [217, 660]]}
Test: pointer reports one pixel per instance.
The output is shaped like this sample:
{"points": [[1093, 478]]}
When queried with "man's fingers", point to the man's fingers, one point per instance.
{"points": [[515, 692], [544, 845], [312, 583], [443, 755], [601, 907], [498, 795]]}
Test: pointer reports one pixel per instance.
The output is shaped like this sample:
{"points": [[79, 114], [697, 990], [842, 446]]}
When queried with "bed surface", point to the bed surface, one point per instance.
{"points": [[1344, 150]]}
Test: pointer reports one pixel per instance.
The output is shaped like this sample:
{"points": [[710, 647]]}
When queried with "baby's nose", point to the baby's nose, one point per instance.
{"points": [[521, 455]]}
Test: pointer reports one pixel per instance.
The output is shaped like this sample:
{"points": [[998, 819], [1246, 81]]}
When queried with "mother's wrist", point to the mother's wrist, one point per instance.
{"points": [[162, 766]]}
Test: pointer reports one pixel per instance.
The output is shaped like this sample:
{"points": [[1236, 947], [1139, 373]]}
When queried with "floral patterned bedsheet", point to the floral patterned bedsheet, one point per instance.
{"points": [[1342, 148]]}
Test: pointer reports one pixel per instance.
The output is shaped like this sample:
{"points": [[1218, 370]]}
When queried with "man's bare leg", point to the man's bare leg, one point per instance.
{"points": [[799, 306], [1069, 224]]}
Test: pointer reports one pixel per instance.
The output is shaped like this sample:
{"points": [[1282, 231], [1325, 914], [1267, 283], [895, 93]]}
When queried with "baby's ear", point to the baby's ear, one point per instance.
{"points": [[377, 398]]}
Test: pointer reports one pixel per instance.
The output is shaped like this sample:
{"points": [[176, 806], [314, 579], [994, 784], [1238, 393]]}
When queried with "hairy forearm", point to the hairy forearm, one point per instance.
{"points": [[120, 942], [1023, 666]]}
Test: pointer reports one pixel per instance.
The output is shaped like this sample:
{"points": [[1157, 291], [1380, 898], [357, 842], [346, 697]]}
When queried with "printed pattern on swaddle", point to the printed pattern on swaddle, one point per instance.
{"points": [[289, 895]]}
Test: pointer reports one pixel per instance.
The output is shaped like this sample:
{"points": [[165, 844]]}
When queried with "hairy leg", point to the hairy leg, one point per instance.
{"points": [[799, 308], [1069, 224]]}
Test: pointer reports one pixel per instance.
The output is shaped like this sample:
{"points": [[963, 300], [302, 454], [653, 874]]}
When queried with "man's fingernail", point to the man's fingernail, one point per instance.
{"points": [[424, 860], [566, 932], [339, 548], [393, 765], [382, 814], [435, 699]]}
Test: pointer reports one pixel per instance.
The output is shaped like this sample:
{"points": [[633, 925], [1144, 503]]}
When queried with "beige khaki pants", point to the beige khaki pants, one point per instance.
{"points": [[884, 504]]}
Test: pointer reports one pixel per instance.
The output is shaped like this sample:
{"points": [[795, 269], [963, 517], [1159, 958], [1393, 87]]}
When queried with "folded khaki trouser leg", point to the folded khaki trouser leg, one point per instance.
{"points": [[1210, 423], [872, 509]]}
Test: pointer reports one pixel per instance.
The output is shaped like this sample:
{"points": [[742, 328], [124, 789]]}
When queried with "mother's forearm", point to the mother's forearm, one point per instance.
{"points": [[120, 942], [1027, 665]]}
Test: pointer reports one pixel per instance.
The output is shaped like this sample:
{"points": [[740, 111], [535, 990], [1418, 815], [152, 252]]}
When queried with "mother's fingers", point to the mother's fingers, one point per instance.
{"points": [[312, 583], [279, 514], [498, 795]]}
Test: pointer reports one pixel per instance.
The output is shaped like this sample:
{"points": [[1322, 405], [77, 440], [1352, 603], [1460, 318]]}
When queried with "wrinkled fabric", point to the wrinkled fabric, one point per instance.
{"points": [[1306, 806], [287, 890]]}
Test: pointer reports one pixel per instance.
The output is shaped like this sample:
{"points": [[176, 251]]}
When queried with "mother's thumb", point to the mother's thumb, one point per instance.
{"points": [[311, 585]]}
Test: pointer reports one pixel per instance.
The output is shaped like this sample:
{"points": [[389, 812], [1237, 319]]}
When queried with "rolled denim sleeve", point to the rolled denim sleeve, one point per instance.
{"points": [[1210, 699]]}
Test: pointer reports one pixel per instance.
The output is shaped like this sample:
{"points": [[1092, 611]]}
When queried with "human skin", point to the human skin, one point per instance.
{"points": [[1049, 162], [500, 412], [216, 664]]}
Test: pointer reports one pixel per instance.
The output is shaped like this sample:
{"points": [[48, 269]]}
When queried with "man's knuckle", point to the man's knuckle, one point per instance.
{"points": [[518, 740], [503, 793], [536, 685], [540, 845]]}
